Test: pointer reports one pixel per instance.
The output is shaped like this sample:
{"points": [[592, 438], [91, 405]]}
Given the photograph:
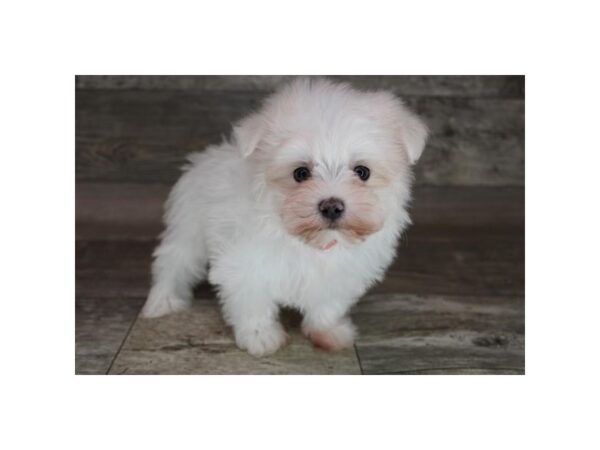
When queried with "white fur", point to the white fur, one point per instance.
{"points": [[226, 220]]}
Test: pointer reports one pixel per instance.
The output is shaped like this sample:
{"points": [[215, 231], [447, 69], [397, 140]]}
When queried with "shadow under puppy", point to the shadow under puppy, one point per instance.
{"points": [[303, 208]]}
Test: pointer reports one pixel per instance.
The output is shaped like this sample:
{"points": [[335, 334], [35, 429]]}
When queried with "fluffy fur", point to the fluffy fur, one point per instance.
{"points": [[238, 216]]}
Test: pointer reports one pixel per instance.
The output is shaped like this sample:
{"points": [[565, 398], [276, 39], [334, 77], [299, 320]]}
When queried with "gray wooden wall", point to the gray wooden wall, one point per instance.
{"points": [[138, 129]]}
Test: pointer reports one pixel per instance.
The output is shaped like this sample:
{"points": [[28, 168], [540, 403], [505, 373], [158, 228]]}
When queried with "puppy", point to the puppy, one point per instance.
{"points": [[302, 208]]}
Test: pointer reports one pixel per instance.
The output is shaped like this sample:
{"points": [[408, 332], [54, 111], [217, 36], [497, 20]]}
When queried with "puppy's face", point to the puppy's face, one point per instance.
{"points": [[335, 161], [329, 197]]}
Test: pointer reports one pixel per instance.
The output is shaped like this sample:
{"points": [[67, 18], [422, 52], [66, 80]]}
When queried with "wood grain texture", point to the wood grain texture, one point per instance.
{"points": [[473, 142], [403, 333], [112, 270], [145, 135], [199, 342], [458, 261], [101, 326], [504, 86]]}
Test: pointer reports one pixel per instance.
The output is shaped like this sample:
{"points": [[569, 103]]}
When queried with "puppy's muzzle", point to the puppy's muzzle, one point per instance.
{"points": [[331, 208]]}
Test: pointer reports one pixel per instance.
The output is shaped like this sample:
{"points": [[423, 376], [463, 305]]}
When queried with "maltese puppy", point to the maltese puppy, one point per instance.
{"points": [[302, 208]]}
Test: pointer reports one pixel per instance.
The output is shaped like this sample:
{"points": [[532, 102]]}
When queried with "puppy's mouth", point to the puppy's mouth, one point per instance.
{"points": [[320, 231], [329, 244]]}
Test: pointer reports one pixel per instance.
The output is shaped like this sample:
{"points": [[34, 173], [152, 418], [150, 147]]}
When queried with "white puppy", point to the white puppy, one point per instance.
{"points": [[303, 208]]}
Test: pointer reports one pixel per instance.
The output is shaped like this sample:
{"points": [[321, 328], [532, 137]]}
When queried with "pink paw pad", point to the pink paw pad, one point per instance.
{"points": [[328, 341]]}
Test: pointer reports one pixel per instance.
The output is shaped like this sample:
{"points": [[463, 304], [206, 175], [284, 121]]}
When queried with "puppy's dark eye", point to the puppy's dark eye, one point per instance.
{"points": [[363, 172], [301, 174]]}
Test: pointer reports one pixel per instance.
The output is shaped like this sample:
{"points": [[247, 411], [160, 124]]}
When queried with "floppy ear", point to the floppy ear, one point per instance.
{"points": [[248, 133], [410, 131], [413, 134]]}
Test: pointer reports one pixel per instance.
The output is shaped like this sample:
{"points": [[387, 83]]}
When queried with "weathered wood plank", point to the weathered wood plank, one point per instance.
{"points": [[405, 356], [440, 334], [112, 270], [457, 206], [117, 270], [458, 261], [199, 342], [512, 86], [101, 326], [144, 136], [120, 203], [473, 141]]}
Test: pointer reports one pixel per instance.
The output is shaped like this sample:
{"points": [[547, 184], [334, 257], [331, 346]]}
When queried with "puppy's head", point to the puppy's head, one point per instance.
{"points": [[333, 162]]}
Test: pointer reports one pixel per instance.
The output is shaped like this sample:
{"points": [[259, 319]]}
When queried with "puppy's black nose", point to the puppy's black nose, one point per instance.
{"points": [[332, 208]]}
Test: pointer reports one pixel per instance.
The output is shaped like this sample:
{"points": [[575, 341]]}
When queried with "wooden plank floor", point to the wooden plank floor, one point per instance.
{"points": [[453, 302]]}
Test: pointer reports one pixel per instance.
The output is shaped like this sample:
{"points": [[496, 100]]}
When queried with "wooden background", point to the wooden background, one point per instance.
{"points": [[453, 302], [138, 129]]}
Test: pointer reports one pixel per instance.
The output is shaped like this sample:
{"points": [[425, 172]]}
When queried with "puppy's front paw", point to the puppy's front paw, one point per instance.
{"points": [[337, 337], [263, 340], [161, 305]]}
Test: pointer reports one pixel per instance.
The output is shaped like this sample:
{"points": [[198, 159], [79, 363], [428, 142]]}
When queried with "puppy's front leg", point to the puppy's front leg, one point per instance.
{"points": [[255, 322], [328, 326]]}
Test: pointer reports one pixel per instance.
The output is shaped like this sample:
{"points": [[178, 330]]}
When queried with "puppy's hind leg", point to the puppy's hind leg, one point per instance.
{"points": [[179, 262]]}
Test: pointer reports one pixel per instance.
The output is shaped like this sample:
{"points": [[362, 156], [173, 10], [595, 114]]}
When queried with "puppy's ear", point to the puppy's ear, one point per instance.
{"points": [[409, 129], [248, 133], [414, 134]]}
